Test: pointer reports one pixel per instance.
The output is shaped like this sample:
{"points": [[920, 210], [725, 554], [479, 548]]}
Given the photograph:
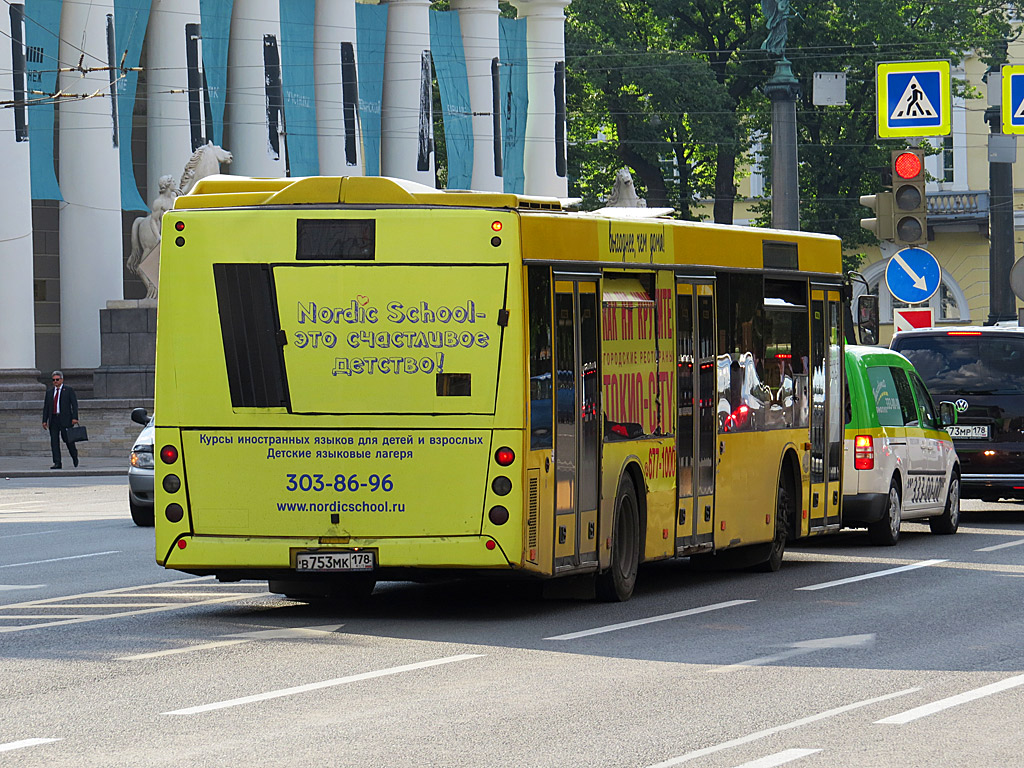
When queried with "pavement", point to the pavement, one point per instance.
{"points": [[39, 466]]}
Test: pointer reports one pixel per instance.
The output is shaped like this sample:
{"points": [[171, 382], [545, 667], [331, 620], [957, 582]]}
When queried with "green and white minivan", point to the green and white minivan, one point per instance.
{"points": [[899, 462]]}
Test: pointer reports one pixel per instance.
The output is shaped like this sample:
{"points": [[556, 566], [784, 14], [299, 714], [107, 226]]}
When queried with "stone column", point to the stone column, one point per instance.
{"points": [[407, 150], [783, 89], [479, 22], [545, 121], [17, 313], [91, 258], [341, 151], [254, 131], [169, 122]]}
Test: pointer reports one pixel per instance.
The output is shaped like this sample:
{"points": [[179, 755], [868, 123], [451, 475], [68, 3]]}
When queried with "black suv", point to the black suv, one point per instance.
{"points": [[981, 370]]}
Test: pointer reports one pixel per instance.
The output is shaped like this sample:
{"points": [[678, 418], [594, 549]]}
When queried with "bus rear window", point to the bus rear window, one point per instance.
{"points": [[967, 365]]}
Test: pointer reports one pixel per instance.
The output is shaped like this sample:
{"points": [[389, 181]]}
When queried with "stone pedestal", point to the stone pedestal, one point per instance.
{"points": [[21, 384], [127, 350]]}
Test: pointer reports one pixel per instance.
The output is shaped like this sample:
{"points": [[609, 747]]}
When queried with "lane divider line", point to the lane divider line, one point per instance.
{"points": [[58, 559], [875, 575], [780, 728], [650, 620], [24, 743], [323, 684], [993, 548], [779, 758], [953, 701]]}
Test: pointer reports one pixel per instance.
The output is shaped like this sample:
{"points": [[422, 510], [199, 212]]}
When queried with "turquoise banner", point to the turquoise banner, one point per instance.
{"points": [[297, 24], [215, 17], [130, 20], [514, 101], [371, 35], [42, 44], [453, 84]]}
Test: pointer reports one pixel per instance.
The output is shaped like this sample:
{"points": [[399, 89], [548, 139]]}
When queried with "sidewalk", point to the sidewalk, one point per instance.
{"points": [[39, 466]]}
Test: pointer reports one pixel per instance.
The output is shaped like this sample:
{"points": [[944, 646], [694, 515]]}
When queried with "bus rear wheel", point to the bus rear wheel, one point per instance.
{"points": [[783, 514], [616, 584]]}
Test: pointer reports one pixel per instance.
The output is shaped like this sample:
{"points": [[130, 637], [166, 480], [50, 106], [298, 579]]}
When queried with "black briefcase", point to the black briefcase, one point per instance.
{"points": [[77, 434]]}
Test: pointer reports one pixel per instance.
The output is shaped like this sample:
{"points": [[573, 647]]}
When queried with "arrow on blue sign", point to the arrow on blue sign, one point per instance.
{"points": [[913, 275]]}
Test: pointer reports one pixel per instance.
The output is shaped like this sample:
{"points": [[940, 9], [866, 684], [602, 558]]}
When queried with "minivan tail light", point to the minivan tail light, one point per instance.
{"points": [[863, 452]]}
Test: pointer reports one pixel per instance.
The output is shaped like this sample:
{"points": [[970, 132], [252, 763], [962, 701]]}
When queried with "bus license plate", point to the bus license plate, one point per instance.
{"points": [[334, 561], [969, 431]]}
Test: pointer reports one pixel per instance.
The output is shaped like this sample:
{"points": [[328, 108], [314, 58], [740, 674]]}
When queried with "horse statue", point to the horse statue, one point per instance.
{"points": [[623, 193], [205, 161], [146, 237]]}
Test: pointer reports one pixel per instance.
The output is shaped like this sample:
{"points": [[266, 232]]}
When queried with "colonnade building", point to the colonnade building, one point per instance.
{"points": [[104, 97]]}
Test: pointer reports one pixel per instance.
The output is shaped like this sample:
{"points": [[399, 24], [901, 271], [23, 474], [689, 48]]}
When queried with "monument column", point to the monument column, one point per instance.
{"points": [[174, 79], [91, 259], [337, 91], [407, 146], [17, 313], [479, 22], [545, 162], [254, 119]]}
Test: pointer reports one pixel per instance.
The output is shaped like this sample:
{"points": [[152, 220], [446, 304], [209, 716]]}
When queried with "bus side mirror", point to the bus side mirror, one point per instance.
{"points": [[867, 318], [947, 414]]}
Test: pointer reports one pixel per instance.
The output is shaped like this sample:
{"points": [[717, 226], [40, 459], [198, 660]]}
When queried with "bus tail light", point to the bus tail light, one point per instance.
{"points": [[504, 456], [168, 454], [863, 452]]}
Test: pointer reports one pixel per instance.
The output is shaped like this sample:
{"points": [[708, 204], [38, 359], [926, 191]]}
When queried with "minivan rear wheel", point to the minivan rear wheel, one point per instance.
{"points": [[949, 520], [886, 532]]}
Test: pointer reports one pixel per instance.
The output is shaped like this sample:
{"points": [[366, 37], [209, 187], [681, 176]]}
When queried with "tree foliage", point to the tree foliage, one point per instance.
{"points": [[671, 84]]}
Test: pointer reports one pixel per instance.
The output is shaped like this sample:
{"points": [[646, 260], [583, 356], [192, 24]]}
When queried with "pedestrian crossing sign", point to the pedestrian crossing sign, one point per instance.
{"points": [[1012, 107], [913, 99]]}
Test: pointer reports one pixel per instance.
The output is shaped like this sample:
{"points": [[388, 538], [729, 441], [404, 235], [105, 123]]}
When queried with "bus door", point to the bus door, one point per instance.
{"points": [[577, 421], [826, 409], [695, 417]]}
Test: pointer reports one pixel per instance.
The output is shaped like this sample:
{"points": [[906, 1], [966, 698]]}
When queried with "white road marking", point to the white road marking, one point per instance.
{"points": [[800, 648], [778, 729], [875, 575], [280, 633], [118, 615], [8, 616], [323, 684], [16, 535], [779, 758], [650, 620], [953, 701], [57, 559], [24, 743], [993, 548], [12, 587]]}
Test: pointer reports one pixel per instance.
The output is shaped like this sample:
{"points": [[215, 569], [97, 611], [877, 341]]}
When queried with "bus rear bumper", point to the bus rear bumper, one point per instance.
{"points": [[260, 558]]}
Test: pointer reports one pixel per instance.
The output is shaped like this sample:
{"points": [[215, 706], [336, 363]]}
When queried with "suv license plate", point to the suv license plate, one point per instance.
{"points": [[969, 431], [335, 561]]}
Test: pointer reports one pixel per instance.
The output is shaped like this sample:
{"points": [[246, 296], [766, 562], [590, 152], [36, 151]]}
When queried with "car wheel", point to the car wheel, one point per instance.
{"points": [[783, 513], [616, 584], [886, 532], [949, 520], [142, 515]]}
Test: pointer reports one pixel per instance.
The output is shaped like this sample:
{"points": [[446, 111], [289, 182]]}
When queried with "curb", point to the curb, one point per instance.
{"points": [[12, 473]]}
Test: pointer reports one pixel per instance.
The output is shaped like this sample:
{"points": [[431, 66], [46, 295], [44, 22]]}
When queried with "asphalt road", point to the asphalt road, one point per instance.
{"points": [[849, 656]]}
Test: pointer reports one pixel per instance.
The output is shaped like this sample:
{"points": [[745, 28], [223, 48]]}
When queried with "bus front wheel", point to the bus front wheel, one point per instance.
{"points": [[616, 584]]}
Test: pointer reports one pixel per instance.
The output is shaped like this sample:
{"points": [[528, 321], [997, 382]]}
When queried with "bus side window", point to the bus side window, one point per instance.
{"points": [[538, 288]]}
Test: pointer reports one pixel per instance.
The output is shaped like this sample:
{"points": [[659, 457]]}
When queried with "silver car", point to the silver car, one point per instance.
{"points": [[140, 471]]}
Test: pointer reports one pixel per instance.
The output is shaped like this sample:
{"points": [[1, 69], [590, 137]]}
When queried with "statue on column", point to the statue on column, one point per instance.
{"points": [[777, 14], [624, 193], [145, 257]]}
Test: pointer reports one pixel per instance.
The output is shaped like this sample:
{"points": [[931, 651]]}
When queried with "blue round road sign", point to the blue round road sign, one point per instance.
{"points": [[912, 275]]}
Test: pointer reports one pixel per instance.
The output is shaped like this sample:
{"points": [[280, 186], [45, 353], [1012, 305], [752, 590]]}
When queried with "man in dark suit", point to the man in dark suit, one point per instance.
{"points": [[60, 411]]}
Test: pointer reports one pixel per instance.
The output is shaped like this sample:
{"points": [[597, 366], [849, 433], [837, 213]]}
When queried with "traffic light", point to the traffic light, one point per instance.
{"points": [[882, 223], [910, 204]]}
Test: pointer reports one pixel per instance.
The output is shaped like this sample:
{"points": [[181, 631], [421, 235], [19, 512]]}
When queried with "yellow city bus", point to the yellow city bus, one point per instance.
{"points": [[363, 379]]}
